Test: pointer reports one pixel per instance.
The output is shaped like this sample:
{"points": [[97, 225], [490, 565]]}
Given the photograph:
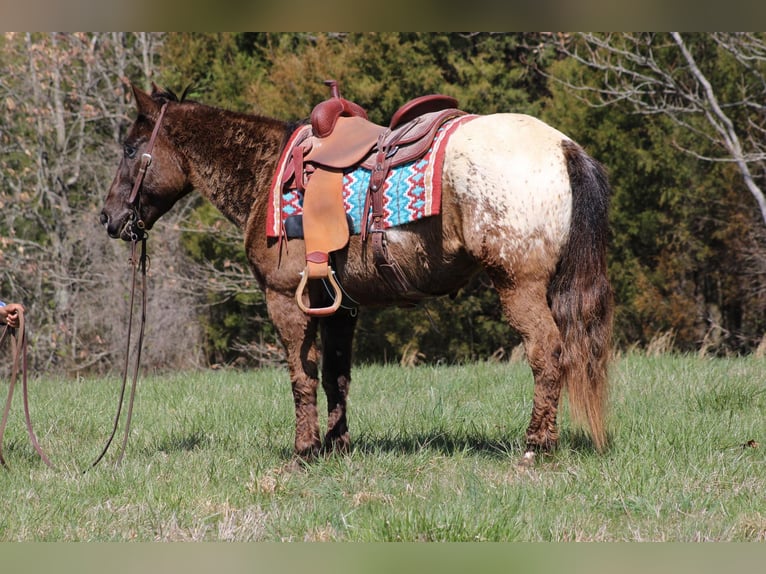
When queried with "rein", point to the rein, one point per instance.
{"points": [[137, 234], [19, 360], [136, 262]]}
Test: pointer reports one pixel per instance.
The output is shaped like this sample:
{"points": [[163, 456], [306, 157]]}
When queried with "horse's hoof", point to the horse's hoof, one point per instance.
{"points": [[528, 460]]}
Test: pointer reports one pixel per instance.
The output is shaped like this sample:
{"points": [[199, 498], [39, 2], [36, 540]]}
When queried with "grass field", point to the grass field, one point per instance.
{"points": [[434, 459]]}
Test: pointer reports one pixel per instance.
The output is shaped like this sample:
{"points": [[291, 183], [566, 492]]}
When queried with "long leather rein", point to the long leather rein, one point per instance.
{"points": [[18, 338], [137, 262]]}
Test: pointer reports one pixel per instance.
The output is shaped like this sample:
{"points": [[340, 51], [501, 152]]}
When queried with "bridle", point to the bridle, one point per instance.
{"points": [[19, 361], [137, 227], [138, 233]]}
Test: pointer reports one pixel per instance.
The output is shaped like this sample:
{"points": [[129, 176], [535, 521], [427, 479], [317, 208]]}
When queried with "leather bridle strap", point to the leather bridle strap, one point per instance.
{"points": [[136, 262], [19, 358], [146, 157]]}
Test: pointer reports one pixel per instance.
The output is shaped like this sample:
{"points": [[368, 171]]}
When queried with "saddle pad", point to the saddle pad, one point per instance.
{"points": [[412, 191]]}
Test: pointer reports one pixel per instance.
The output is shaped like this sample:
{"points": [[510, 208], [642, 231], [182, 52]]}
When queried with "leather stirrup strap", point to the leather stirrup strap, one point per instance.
{"points": [[325, 227]]}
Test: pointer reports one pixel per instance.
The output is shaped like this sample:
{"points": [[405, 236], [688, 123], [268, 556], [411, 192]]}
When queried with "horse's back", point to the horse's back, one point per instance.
{"points": [[508, 175]]}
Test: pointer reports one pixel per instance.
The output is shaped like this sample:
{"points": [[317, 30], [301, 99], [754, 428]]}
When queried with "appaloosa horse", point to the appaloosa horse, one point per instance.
{"points": [[519, 199]]}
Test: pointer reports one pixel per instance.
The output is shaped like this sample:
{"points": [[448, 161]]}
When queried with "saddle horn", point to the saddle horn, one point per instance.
{"points": [[333, 84], [325, 114]]}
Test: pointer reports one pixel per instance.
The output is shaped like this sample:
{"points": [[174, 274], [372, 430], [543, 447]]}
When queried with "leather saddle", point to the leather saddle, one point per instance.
{"points": [[342, 137]]}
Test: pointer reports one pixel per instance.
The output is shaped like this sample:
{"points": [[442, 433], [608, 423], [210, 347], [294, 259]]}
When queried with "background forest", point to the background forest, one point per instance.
{"points": [[679, 122]]}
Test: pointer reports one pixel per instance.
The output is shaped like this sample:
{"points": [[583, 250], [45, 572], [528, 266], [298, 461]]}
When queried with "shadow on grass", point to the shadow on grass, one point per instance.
{"points": [[183, 442], [442, 442], [447, 443], [21, 452], [580, 442]]}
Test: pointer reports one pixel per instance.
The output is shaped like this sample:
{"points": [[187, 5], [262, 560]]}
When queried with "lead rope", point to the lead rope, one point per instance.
{"points": [[136, 263], [19, 358]]}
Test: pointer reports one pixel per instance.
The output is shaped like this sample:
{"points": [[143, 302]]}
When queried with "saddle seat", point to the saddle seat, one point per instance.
{"points": [[342, 137], [350, 137]]}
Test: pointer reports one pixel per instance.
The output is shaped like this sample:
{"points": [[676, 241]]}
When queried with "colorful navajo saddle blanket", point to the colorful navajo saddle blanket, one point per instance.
{"points": [[412, 190]]}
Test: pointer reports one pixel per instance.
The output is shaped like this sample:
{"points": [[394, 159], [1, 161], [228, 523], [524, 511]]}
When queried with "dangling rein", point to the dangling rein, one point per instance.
{"points": [[136, 262], [19, 361], [20, 347]]}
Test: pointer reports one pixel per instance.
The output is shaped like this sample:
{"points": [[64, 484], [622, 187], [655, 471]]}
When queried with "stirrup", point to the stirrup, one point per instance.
{"points": [[319, 311]]}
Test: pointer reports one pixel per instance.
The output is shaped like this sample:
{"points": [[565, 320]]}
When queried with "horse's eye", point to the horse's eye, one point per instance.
{"points": [[130, 151]]}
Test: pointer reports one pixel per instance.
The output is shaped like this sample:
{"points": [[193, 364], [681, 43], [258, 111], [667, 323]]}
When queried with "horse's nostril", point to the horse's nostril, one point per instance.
{"points": [[104, 218]]}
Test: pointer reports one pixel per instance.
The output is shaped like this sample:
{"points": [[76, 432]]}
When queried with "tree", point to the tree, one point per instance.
{"points": [[689, 81]]}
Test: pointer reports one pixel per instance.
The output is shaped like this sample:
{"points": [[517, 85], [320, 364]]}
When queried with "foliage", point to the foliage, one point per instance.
{"points": [[235, 323], [466, 327]]}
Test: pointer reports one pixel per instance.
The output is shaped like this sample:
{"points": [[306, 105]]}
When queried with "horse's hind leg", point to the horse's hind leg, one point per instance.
{"points": [[526, 308], [298, 335], [337, 333]]}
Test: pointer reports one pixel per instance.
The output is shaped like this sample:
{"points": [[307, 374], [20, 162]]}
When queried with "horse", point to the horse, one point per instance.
{"points": [[519, 200]]}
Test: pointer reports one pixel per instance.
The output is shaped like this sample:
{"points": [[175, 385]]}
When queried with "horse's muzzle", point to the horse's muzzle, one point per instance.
{"points": [[125, 228]]}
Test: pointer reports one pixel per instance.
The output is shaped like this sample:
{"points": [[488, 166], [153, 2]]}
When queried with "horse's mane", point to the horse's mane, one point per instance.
{"points": [[162, 95]]}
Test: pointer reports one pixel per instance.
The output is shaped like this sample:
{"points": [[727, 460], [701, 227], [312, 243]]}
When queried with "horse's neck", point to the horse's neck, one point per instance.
{"points": [[232, 158]]}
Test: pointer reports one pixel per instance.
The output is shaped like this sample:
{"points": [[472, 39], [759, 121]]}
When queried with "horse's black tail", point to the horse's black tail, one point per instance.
{"points": [[581, 297]]}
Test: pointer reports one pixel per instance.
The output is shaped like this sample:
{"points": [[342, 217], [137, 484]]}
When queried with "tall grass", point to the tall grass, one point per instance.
{"points": [[434, 458]]}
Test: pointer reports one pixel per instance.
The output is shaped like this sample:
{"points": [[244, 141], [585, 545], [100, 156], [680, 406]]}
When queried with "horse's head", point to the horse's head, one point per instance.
{"points": [[150, 177]]}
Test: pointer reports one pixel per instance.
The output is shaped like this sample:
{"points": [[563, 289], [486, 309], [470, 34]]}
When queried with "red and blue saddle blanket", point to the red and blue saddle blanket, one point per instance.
{"points": [[411, 191]]}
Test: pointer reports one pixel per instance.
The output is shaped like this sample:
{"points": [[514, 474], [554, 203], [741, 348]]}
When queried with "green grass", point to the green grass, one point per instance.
{"points": [[433, 459]]}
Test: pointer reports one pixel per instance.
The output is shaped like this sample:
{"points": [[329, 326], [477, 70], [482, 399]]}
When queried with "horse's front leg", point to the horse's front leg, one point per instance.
{"points": [[297, 332], [337, 336]]}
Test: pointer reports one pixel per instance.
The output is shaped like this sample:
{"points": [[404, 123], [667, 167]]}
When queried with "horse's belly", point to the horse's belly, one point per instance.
{"points": [[433, 261], [507, 173]]}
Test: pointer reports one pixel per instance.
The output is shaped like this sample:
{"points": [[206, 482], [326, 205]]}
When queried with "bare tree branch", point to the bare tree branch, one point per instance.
{"points": [[658, 74], [723, 125], [65, 109]]}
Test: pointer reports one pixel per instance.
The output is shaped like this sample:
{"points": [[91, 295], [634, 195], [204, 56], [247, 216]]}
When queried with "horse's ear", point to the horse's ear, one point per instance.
{"points": [[146, 105]]}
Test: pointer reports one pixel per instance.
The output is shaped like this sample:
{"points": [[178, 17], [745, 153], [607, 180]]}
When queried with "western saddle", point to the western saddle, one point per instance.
{"points": [[341, 137]]}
